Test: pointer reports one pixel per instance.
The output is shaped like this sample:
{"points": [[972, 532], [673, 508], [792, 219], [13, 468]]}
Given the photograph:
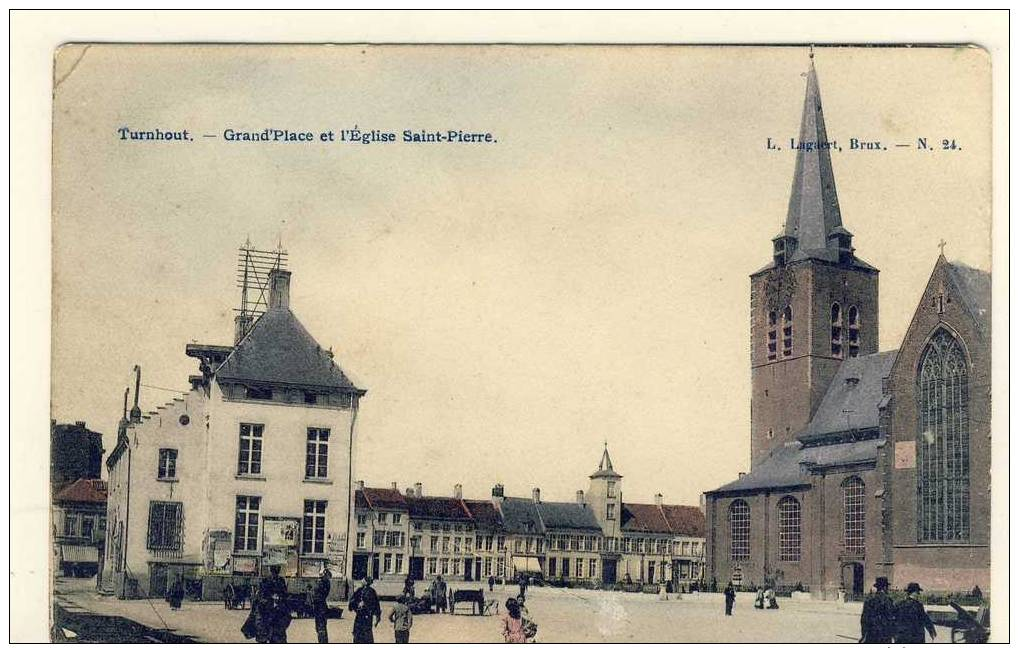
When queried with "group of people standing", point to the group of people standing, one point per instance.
{"points": [[882, 620]]}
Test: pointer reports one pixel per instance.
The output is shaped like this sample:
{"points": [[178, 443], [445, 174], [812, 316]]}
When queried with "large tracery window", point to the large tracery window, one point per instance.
{"points": [[942, 445], [739, 531], [853, 524], [789, 529]]}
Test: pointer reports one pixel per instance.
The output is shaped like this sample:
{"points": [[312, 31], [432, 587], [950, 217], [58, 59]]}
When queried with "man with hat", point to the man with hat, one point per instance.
{"points": [[912, 619], [877, 622], [367, 612]]}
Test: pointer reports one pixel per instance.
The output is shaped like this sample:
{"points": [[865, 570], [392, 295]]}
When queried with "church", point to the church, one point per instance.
{"points": [[863, 463]]}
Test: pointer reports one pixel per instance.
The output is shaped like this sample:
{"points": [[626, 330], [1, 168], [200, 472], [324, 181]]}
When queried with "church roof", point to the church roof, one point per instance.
{"points": [[278, 349], [853, 397], [975, 289], [780, 469], [567, 515], [841, 454], [605, 466]]}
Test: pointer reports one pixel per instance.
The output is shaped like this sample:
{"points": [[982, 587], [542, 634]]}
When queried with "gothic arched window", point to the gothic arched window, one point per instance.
{"points": [[854, 508], [854, 332], [789, 529], [772, 335], [739, 531], [836, 330], [787, 331], [942, 444]]}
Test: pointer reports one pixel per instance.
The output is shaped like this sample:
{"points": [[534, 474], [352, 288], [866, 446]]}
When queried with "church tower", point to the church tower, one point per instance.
{"points": [[604, 496], [814, 305]]}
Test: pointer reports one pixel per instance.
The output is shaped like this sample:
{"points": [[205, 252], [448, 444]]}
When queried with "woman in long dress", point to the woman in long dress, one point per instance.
{"points": [[513, 623]]}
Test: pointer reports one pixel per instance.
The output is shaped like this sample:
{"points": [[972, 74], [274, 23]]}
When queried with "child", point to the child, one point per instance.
{"points": [[402, 619]]}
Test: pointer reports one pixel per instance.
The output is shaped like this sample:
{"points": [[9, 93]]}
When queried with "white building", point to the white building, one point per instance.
{"points": [[252, 467]]}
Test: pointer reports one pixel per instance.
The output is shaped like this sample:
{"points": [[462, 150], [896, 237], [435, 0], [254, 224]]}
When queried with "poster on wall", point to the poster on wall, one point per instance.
{"points": [[245, 564], [279, 544], [218, 550], [337, 548]]}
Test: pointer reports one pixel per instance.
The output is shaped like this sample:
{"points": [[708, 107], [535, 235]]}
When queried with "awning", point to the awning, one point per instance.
{"points": [[79, 554], [526, 563]]}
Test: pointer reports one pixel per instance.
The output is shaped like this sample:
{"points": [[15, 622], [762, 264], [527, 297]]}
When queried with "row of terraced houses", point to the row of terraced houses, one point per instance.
{"points": [[598, 539]]}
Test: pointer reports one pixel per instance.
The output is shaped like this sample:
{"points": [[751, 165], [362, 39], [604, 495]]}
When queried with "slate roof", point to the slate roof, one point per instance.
{"points": [[841, 454], [605, 466], [83, 491], [278, 349], [853, 397], [484, 513], [381, 498], [438, 508], [520, 515], [567, 515], [975, 289], [780, 469]]}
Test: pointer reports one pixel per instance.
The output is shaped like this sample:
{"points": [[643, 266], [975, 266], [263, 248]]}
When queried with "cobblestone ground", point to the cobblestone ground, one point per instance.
{"points": [[562, 616]]}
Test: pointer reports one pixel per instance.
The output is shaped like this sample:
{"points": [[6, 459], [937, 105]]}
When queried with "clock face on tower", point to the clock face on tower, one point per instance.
{"points": [[779, 287]]}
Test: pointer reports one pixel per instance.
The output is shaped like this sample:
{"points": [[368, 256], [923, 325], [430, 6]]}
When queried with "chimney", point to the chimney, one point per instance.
{"points": [[458, 491], [392, 485], [536, 495], [242, 323], [658, 500], [417, 489], [741, 475], [136, 412], [409, 492], [279, 289], [359, 485], [498, 492], [580, 497], [80, 424]]}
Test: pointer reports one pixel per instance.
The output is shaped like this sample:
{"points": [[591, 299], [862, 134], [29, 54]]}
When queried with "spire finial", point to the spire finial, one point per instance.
{"points": [[941, 246], [812, 53]]}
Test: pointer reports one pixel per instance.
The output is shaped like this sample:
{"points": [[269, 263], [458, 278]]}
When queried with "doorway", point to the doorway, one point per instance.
{"points": [[608, 571], [375, 567], [468, 569], [852, 580], [417, 568]]}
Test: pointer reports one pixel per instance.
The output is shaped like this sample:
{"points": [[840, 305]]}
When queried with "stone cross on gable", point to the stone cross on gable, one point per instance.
{"points": [[941, 246]]}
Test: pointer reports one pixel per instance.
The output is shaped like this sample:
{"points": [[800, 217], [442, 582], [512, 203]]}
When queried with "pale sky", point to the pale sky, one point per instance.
{"points": [[511, 306]]}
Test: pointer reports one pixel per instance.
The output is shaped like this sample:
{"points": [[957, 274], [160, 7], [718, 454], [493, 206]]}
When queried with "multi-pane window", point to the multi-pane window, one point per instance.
{"points": [[313, 539], [387, 563], [739, 531], [592, 567], [610, 511], [853, 506], [854, 332], [246, 523], [942, 444], [249, 458], [316, 462], [379, 538], [87, 526], [500, 543], [789, 529], [360, 539], [445, 544], [772, 335], [165, 521], [396, 518], [399, 563], [167, 464], [70, 524], [500, 567], [836, 330], [434, 544], [432, 562], [611, 489], [787, 331], [579, 568]]}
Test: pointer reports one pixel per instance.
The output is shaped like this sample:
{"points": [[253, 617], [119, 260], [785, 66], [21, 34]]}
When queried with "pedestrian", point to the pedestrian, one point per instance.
{"points": [[730, 598], [408, 586], [977, 593], [491, 583], [911, 619], [320, 606], [175, 595], [769, 595], [440, 594], [367, 612], [521, 603], [522, 582], [513, 623], [272, 609], [877, 621], [759, 599], [402, 619]]}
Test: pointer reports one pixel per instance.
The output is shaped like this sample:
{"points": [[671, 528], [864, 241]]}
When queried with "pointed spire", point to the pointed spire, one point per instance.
{"points": [[605, 465], [814, 221]]}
